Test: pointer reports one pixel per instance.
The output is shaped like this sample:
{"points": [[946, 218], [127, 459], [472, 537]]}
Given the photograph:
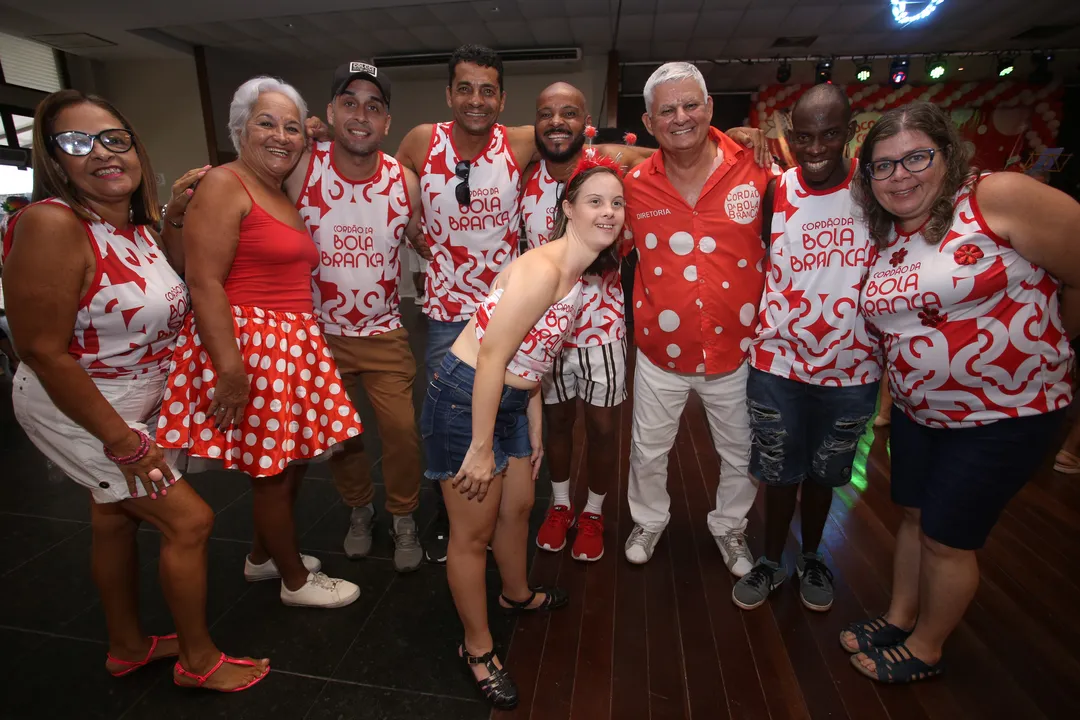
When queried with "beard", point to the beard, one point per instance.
{"points": [[559, 157]]}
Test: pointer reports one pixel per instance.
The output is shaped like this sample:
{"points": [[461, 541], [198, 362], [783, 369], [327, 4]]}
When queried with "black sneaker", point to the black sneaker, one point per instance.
{"points": [[816, 582], [753, 589], [437, 539]]}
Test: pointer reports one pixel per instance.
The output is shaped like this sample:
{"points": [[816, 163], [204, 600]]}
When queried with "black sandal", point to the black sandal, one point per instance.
{"points": [[896, 666], [876, 633], [554, 598], [498, 687]]}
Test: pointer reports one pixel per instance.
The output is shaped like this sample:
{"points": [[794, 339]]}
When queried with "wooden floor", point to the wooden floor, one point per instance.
{"points": [[665, 641]]}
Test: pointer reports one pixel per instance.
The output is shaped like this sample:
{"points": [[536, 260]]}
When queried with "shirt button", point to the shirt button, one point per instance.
{"points": [[695, 213], [103, 485]]}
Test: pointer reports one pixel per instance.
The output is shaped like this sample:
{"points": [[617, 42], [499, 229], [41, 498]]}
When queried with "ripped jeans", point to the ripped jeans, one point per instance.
{"points": [[805, 432]]}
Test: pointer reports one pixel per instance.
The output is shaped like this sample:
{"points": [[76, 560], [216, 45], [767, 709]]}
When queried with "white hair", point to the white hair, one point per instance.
{"points": [[245, 97], [672, 72]]}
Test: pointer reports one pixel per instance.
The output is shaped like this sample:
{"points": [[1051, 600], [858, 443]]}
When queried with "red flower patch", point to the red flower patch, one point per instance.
{"points": [[898, 257], [967, 254], [932, 317]]}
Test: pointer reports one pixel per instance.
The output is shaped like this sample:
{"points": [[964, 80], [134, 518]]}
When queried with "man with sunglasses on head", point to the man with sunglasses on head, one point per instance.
{"points": [[357, 203]]}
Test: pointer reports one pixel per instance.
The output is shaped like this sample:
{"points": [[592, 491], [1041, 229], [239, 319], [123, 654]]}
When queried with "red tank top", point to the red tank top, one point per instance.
{"points": [[273, 263]]}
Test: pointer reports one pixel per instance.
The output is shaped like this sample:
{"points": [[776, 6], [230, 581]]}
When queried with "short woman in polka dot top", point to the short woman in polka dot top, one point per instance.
{"points": [[95, 302], [253, 386], [481, 421]]}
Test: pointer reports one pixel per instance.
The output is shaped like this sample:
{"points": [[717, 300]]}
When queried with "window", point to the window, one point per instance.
{"points": [[29, 64]]}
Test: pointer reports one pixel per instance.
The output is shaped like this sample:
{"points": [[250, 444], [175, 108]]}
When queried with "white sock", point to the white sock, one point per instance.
{"points": [[595, 504], [561, 490]]}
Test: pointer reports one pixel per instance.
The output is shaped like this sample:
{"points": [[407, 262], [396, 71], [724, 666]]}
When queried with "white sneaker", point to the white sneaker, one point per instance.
{"points": [[736, 554], [322, 592], [268, 570], [640, 545]]}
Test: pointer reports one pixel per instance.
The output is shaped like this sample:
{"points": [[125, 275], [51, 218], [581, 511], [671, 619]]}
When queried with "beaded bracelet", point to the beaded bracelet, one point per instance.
{"points": [[144, 447]]}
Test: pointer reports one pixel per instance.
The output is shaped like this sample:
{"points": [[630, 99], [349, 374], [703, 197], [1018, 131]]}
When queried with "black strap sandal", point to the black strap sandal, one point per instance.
{"points": [[876, 633], [896, 666], [498, 687], [554, 598]]}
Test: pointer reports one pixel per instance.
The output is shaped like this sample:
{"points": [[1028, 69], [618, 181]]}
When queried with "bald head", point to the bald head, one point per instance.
{"points": [[823, 98], [821, 127], [561, 118]]}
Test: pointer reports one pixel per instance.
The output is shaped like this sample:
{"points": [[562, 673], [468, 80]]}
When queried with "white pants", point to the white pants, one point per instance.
{"points": [[659, 399]]}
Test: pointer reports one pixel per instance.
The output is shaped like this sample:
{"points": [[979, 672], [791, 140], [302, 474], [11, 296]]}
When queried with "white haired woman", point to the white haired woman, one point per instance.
{"points": [[252, 385]]}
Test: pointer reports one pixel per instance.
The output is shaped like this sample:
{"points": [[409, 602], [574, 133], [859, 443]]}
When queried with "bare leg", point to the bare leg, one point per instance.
{"points": [[603, 446], [559, 444], [273, 500], [884, 404], [472, 524], [259, 554], [512, 530], [814, 506], [184, 520], [780, 501]]}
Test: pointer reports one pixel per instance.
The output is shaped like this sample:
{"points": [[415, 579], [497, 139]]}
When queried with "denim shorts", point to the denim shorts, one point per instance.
{"points": [[805, 432], [446, 421], [962, 478]]}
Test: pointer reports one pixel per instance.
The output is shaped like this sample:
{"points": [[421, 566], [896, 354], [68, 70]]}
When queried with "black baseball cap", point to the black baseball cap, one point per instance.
{"points": [[347, 72]]}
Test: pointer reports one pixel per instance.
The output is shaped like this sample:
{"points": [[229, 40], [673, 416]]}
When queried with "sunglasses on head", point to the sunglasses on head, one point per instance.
{"points": [[78, 144], [461, 192]]}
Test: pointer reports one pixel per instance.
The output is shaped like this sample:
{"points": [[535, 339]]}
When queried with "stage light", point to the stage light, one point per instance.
{"points": [[1040, 63], [936, 67], [1006, 65], [909, 11], [823, 72], [898, 71], [863, 72], [783, 73]]}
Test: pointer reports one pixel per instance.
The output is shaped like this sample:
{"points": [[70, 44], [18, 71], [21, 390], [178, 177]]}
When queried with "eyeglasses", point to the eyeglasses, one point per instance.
{"points": [[914, 162], [79, 144], [461, 192]]}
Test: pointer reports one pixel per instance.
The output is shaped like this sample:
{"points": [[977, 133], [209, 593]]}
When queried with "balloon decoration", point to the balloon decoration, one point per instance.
{"points": [[1006, 121]]}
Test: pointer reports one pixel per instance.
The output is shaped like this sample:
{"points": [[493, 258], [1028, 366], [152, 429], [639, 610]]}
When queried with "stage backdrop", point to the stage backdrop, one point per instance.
{"points": [[1006, 121]]}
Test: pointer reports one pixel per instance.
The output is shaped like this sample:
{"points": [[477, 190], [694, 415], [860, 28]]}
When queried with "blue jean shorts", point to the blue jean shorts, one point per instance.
{"points": [[446, 421], [805, 432]]}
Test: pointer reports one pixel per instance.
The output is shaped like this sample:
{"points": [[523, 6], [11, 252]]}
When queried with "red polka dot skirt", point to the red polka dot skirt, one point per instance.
{"points": [[298, 408]]}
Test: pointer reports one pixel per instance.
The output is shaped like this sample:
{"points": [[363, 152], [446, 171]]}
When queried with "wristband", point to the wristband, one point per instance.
{"points": [[144, 448]]}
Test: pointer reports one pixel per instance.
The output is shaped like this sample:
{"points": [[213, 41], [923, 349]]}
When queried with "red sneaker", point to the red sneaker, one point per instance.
{"points": [[552, 535], [589, 543]]}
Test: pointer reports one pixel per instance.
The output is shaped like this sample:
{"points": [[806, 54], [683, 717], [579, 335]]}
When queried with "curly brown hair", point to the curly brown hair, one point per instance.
{"points": [[932, 121]]}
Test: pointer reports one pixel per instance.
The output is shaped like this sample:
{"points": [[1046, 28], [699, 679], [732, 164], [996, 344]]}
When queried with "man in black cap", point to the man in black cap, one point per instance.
{"points": [[357, 203]]}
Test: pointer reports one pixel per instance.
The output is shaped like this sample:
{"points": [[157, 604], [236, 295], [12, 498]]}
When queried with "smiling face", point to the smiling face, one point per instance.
{"points": [[273, 138], [680, 115], [597, 211], [560, 122], [819, 133], [475, 97], [102, 175], [906, 195], [360, 117]]}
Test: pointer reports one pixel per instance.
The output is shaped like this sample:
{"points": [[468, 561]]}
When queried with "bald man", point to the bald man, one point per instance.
{"points": [[814, 372]]}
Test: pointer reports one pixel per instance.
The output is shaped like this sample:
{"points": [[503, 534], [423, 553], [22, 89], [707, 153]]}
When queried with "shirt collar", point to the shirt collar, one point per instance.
{"points": [[732, 151]]}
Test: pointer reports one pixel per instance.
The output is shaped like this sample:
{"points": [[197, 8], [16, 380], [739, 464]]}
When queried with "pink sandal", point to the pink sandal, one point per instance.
{"points": [[132, 666], [200, 680]]}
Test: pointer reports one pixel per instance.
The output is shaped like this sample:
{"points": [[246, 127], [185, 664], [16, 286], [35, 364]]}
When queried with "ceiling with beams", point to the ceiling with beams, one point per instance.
{"points": [[641, 30]]}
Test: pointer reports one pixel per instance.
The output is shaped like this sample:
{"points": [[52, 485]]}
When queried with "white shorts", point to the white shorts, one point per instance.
{"points": [[596, 374], [75, 451]]}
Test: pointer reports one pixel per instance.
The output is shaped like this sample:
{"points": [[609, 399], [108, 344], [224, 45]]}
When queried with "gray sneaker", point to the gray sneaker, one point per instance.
{"points": [[815, 582], [358, 540], [407, 550], [754, 587]]}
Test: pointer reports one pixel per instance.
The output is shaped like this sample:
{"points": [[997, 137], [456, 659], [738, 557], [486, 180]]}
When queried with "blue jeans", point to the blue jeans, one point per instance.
{"points": [[446, 421], [440, 336], [805, 432]]}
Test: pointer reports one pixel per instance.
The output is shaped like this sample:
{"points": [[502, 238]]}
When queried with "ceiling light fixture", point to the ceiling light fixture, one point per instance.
{"points": [[823, 72], [783, 73], [898, 71], [863, 71], [936, 67], [1006, 65], [909, 11]]}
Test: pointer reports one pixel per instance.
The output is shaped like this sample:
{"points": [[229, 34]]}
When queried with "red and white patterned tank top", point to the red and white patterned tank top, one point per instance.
{"points": [[358, 228], [603, 316], [545, 339], [972, 330], [127, 321], [470, 246], [810, 328]]}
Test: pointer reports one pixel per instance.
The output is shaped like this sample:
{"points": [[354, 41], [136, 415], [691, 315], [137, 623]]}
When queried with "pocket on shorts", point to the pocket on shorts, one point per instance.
{"points": [[427, 414]]}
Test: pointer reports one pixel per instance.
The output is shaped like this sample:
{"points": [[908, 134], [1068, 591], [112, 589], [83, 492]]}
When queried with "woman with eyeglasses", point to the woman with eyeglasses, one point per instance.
{"points": [[963, 288], [95, 302], [253, 386]]}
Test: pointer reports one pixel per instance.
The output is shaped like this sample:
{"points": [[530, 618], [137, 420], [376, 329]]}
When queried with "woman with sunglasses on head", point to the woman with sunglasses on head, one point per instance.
{"points": [[963, 287], [95, 301], [253, 386], [481, 421]]}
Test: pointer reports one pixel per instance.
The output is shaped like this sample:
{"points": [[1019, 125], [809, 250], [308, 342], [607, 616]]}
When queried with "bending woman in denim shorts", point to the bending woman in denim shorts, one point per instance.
{"points": [[481, 421]]}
